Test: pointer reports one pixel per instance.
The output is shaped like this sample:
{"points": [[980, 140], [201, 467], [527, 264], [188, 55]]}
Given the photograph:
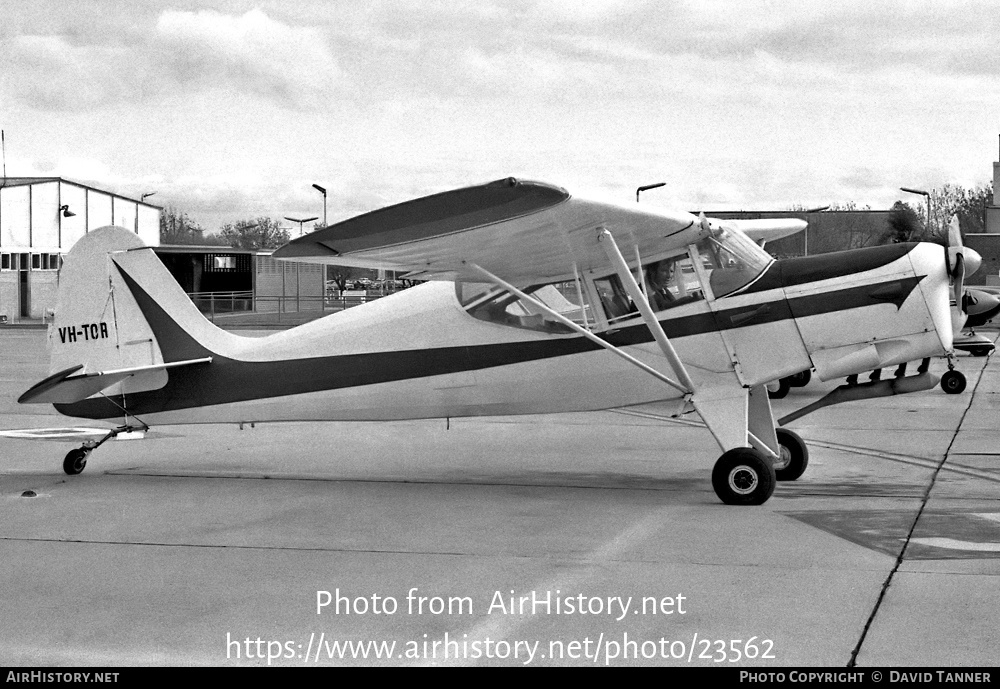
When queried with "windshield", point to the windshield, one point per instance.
{"points": [[732, 260]]}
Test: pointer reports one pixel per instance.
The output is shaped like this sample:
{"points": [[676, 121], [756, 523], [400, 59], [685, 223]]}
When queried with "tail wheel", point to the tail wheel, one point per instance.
{"points": [[743, 476], [793, 457], [75, 462], [953, 382]]}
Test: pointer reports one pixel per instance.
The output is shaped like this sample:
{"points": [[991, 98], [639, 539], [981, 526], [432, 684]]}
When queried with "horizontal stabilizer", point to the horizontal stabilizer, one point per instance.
{"points": [[66, 388]]}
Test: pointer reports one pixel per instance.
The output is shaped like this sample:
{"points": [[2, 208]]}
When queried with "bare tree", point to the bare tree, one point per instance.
{"points": [[177, 228], [968, 204], [257, 234]]}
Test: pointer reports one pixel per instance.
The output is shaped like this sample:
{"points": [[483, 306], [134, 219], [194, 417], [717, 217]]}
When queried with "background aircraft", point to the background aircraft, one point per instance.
{"points": [[537, 302]]}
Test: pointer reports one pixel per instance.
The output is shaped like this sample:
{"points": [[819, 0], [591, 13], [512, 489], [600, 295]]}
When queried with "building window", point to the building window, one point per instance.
{"points": [[5, 262], [36, 262], [222, 263]]}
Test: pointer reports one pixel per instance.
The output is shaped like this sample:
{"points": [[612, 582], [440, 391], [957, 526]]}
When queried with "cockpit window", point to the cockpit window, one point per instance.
{"points": [[490, 303], [671, 282]]}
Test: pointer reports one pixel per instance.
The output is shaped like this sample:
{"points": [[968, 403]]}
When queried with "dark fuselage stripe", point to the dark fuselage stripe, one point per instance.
{"points": [[228, 380]]}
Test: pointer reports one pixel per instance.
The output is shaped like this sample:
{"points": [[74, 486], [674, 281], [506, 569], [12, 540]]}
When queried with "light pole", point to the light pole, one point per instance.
{"points": [[142, 199], [647, 188], [805, 247], [323, 192], [925, 194], [300, 222]]}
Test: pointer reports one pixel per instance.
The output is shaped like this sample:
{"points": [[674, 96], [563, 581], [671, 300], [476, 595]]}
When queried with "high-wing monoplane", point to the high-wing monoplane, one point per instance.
{"points": [[536, 301]]}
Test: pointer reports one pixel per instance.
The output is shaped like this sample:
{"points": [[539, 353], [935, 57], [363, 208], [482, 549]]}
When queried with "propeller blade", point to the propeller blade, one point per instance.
{"points": [[954, 233], [959, 279]]}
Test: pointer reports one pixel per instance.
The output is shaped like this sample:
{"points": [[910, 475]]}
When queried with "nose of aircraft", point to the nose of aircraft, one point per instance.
{"points": [[980, 306]]}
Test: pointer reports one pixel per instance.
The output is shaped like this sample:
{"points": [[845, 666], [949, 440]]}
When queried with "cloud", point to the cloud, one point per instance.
{"points": [[50, 73], [252, 53], [184, 53]]}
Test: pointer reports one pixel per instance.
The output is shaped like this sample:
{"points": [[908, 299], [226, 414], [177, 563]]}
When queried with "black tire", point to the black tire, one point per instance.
{"points": [[981, 351], [794, 456], [800, 380], [783, 388], [743, 476], [953, 382], [75, 462]]}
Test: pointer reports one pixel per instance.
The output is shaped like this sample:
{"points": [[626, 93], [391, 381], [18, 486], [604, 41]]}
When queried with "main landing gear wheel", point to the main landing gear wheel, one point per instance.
{"points": [[793, 457], [778, 389], [801, 379], [76, 461], [743, 476], [953, 382]]}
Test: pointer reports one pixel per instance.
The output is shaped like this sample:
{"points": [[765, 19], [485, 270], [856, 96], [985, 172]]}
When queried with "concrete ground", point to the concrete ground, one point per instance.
{"points": [[573, 539]]}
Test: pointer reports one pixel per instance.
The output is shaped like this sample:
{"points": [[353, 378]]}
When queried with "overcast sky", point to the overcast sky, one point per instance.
{"points": [[229, 110]]}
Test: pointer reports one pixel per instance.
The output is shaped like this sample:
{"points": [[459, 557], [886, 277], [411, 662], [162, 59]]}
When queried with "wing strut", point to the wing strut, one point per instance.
{"points": [[640, 300], [583, 331]]}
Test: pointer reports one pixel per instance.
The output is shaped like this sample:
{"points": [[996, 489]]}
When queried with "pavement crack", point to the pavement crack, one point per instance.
{"points": [[913, 526]]}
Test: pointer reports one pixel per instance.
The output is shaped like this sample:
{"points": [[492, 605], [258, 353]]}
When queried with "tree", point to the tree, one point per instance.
{"points": [[178, 228], [257, 234], [968, 204], [904, 225]]}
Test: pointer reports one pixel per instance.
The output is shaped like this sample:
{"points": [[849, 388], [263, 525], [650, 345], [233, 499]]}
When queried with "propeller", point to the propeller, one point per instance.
{"points": [[962, 261]]}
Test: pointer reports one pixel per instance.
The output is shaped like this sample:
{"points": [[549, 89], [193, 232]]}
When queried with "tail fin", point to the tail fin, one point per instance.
{"points": [[119, 309]]}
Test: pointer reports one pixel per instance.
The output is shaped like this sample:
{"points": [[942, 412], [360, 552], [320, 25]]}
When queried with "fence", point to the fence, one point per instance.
{"points": [[245, 309]]}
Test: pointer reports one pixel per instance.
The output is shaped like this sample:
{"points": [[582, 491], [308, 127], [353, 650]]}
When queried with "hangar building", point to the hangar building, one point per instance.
{"points": [[40, 220]]}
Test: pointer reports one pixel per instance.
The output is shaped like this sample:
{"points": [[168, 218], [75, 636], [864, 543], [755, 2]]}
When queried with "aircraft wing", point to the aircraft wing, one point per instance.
{"points": [[525, 231], [767, 229]]}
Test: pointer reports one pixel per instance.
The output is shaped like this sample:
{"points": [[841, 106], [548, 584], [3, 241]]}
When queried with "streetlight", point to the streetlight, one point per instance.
{"points": [[142, 199], [300, 222], [647, 188], [323, 192], [920, 192], [805, 246]]}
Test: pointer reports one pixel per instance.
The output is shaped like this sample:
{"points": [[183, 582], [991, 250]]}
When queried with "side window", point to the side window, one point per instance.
{"points": [[615, 300], [672, 282], [500, 306]]}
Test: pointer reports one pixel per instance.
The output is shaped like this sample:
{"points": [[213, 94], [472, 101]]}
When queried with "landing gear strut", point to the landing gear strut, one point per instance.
{"points": [[76, 460], [743, 476]]}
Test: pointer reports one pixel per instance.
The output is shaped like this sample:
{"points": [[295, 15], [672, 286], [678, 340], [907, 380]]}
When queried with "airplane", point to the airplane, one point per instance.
{"points": [[536, 301], [982, 306], [978, 307]]}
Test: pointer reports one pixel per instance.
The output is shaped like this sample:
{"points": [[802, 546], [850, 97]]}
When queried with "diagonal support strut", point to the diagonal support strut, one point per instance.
{"points": [[576, 328]]}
